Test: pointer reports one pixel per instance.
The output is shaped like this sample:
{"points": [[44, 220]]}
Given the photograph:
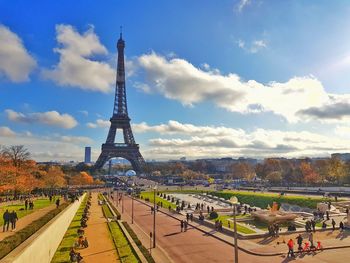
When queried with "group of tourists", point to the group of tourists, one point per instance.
{"points": [[28, 203], [189, 216], [274, 229], [9, 217], [183, 225], [309, 245]]}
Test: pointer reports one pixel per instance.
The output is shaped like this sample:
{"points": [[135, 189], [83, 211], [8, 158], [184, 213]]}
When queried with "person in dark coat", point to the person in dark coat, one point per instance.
{"points": [[13, 219], [300, 242], [26, 204], [57, 203], [333, 224], [6, 217]]}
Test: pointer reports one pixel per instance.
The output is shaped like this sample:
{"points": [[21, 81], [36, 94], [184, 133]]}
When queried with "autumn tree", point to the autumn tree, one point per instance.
{"points": [[54, 177], [336, 170], [274, 177], [18, 154], [242, 170], [309, 175]]}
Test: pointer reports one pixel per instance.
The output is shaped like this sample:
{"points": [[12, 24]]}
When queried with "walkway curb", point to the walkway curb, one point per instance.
{"points": [[127, 235]]}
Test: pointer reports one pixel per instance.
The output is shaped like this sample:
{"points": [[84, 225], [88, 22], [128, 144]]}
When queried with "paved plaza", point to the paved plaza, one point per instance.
{"points": [[197, 246]]}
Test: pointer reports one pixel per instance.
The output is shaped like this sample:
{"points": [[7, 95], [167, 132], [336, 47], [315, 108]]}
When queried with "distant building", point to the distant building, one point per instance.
{"points": [[87, 158]]}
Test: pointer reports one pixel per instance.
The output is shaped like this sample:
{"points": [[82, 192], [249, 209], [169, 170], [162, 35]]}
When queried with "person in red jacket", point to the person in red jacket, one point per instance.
{"points": [[290, 248]]}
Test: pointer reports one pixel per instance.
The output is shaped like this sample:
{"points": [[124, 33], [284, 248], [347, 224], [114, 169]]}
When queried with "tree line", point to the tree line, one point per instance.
{"points": [[326, 171], [20, 174]]}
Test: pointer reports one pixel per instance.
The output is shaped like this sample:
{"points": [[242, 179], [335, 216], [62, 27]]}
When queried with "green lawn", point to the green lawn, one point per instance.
{"points": [[124, 249], [150, 196], [62, 252], [38, 203], [240, 228], [262, 200]]}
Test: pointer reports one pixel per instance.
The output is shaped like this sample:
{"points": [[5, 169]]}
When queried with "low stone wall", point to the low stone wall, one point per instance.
{"points": [[42, 246]]}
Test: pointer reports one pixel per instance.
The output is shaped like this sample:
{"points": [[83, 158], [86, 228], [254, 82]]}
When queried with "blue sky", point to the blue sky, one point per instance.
{"points": [[232, 78]]}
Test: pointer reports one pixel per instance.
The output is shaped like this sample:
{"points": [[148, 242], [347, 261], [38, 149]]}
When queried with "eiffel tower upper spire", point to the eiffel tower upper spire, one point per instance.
{"points": [[120, 105]]}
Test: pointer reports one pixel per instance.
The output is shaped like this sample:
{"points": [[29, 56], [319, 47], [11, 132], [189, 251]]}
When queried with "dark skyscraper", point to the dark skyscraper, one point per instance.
{"points": [[87, 158]]}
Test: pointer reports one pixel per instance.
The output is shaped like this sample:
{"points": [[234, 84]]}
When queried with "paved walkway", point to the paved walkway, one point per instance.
{"points": [[101, 247], [195, 246], [26, 220]]}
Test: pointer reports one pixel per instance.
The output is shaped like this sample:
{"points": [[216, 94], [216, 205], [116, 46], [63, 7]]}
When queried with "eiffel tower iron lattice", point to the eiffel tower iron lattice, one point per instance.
{"points": [[128, 150]]}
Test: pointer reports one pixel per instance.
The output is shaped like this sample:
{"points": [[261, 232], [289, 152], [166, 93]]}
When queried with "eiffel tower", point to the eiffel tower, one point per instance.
{"points": [[128, 150]]}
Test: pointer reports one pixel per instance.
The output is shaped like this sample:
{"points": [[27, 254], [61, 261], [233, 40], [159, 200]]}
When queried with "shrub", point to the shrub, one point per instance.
{"points": [[213, 215]]}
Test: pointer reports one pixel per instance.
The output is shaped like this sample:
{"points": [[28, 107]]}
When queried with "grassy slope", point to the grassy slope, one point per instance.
{"points": [[125, 252], [38, 204], [240, 228], [62, 252], [150, 196], [264, 199]]}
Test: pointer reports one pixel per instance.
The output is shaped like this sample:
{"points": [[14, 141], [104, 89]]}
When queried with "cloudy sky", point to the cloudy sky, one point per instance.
{"points": [[231, 78]]}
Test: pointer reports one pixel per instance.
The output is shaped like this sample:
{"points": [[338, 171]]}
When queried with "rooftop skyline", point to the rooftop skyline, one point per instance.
{"points": [[204, 78]]}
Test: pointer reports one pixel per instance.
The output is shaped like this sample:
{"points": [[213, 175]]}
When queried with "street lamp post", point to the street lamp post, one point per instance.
{"points": [[154, 215], [234, 201], [122, 203], [132, 204]]}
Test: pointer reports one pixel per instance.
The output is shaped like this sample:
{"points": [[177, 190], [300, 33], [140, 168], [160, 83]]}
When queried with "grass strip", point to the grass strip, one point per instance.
{"points": [[11, 242], [150, 197], [125, 251], [71, 235], [138, 243]]}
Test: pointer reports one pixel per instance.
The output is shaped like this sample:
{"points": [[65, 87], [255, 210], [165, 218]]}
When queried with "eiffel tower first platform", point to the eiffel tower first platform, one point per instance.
{"points": [[128, 150]]}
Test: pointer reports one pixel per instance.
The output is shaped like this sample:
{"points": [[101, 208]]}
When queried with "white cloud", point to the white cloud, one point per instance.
{"points": [[298, 99], [15, 61], [51, 118], [210, 141], [254, 47], [6, 132], [99, 123], [76, 67], [84, 112], [242, 4]]}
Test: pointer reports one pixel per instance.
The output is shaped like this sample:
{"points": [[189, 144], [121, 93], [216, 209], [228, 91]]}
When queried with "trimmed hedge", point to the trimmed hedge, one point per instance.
{"points": [[138, 243], [124, 249], [10, 243], [115, 210], [262, 200]]}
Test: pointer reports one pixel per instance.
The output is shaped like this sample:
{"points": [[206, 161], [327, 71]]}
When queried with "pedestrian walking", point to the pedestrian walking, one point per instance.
{"points": [[26, 204], [6, 217], [313, 224], [182, 225], [333, 224], [300, 242], [187, 216], [57, 203], [208, 209], [13, 220], [185, 225], [341, 226], [311, 240], [191, 217], [290, 245], [327, 215]]}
